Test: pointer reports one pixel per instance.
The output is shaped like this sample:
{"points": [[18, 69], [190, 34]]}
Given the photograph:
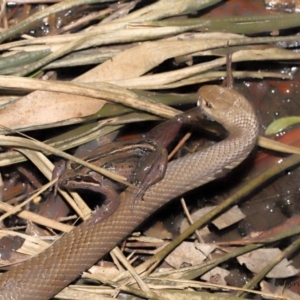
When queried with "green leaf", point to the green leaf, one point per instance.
{"points": [[280, 124]]}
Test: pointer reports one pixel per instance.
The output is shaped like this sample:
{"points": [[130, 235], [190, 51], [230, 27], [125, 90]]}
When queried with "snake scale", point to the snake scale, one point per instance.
{"points": [[44, 275]]}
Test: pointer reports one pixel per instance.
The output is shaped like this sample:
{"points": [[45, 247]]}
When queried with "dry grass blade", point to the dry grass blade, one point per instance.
{"points": [[46, 167], [161, 79], [43, 14], [104, 91], [39, 146], [277, 146], [28, 215]]}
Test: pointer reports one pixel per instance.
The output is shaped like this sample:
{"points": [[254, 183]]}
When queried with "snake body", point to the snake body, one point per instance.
{"points": [[46, 274]]}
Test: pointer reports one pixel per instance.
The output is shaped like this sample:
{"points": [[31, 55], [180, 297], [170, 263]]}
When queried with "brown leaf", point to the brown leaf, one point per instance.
{"points": [[40, 108], [256, 260], [188, 252], [138, 60], [9, 244]]}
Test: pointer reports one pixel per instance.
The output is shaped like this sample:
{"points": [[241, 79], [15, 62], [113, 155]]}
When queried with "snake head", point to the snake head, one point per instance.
{"points": [[218, 102]]}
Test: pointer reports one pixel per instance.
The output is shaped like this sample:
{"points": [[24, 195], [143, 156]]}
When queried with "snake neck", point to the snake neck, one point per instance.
{"points": [[243, 126], [201, 167]]}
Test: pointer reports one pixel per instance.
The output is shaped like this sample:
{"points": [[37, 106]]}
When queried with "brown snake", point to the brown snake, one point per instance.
{"points": [[46, 274]]}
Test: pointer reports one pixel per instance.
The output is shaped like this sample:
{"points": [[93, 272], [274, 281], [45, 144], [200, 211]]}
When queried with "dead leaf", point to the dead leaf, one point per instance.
{"points": [[40, 108], [9, 244], [158, 231], [138, 60], [19, 251], [231, 216], [107, 270], [216, 275], [256, 260], [228, 218], [196, 216], [277, 291], [187, 252], [206, 249]]}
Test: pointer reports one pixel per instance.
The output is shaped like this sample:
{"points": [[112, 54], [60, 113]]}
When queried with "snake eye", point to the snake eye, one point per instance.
{"points": [[208, 104]]}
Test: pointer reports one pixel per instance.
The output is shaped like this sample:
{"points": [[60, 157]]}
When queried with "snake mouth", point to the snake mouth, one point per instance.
{"points": [[201, 103]]}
